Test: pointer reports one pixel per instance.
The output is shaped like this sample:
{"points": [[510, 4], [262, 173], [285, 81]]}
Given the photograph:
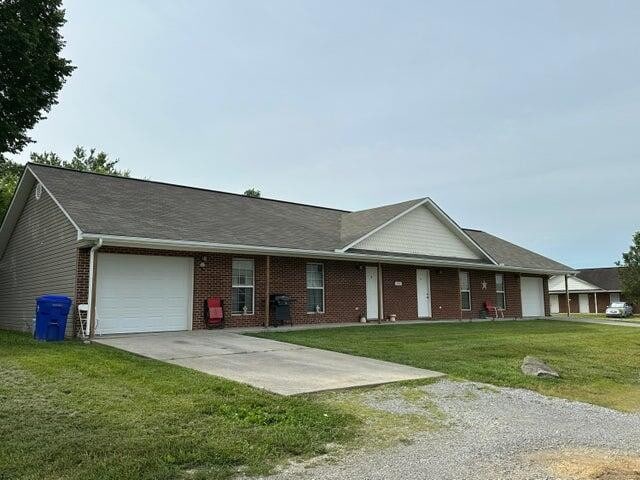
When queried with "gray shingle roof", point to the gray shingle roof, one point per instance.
{"points": [[606, 278], [510, 254], [108, 205], [357, 224], [138, 208]]}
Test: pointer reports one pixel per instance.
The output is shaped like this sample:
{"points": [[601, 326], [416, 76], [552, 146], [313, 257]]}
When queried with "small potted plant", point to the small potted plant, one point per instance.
{"points": [[363, 318], [392, 317]]}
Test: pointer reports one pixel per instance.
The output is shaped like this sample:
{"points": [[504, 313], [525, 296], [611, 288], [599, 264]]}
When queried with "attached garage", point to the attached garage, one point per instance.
{"points": [[160, 251], [141, 293], [532, 293]]}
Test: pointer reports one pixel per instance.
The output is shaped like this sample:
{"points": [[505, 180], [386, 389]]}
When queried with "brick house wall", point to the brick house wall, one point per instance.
{"points": [[603, 302], [401, 300], [345, 288]]}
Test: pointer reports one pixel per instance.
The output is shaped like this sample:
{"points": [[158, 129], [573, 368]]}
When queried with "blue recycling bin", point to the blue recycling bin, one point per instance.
{"points": [[51, 317]]}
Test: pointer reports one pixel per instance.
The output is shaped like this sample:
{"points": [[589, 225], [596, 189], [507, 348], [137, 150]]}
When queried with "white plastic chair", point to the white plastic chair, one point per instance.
{"points": [[83, 315]]}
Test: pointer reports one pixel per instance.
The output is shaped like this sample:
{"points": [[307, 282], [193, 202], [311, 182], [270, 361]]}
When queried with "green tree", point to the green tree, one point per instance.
{"points": [[85, 162], [9, 175], [630, 271], [82, 160], [32, 72], [253, 192]]}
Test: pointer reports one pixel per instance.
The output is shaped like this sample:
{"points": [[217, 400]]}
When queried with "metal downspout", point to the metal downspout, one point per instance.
{"points": [[92, 289]]}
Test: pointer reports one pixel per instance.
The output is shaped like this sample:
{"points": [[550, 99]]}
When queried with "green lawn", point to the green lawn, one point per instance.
{"points": [[70, 411], [598, 363]]}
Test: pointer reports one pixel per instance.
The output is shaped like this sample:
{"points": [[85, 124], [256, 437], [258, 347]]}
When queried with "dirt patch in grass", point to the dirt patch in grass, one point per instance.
{"points": [[592, 465]]}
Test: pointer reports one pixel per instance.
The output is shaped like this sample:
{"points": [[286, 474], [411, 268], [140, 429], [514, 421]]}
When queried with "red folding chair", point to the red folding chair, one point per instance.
{"points": [[214, 314], [492, 309]]}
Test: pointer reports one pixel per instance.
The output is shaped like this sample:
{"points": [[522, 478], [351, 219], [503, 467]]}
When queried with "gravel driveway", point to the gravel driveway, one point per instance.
{"points": [[492, 433]]}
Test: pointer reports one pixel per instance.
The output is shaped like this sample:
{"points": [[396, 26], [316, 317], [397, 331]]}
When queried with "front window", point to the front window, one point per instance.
{"points": [[315, 288], [501, 299], [242, 286], [465, 291]]}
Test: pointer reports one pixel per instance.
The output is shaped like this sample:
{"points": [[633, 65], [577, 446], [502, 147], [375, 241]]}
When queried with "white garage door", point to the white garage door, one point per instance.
{"points": [[137, 293], [532, 292]]}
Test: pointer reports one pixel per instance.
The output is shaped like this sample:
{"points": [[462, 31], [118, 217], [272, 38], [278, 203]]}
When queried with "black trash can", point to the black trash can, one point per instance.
{"points": [[280, 309]]}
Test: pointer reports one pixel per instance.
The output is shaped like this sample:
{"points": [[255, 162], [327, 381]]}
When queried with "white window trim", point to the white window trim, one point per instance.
{"points": [[503, 291], [467, 290], [315, 288], [252, 286]]}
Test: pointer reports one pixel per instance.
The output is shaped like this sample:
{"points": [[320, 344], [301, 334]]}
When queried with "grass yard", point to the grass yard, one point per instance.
{"points": [[70, 411], [599, 364]]}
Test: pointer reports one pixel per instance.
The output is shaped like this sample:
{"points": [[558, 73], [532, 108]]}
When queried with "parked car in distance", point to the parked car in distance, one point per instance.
{"points": [[619, 309]]}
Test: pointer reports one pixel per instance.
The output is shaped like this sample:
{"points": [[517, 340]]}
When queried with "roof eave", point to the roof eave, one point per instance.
{"points": [[195, 246]]}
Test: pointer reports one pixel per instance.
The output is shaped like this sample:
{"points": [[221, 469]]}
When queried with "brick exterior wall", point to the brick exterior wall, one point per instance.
{"points": [[345, 288], [82, 285], [603, 302]]}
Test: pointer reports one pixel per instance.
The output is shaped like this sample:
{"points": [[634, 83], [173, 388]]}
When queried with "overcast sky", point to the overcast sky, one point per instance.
{"points": [[518, 118]]}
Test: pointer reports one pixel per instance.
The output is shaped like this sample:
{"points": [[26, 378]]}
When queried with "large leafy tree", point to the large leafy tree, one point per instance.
{"points": [[630, 271], [32, 72], [86, 161]]}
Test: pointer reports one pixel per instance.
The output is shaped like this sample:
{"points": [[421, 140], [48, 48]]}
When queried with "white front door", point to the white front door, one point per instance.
{"points": [[423, 287], [554, 302], [614, 297], [532, 295], [139, 293], [372, 292], [583, 303]]}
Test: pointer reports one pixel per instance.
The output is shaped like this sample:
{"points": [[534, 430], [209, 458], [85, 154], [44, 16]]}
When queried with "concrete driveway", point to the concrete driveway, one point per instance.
{"points": [[275, 366]]}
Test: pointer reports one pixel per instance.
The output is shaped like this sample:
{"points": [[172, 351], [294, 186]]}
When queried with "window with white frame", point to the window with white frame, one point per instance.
{"points": [[501, 298], [315, 288], [465, 291], [242, 286]]}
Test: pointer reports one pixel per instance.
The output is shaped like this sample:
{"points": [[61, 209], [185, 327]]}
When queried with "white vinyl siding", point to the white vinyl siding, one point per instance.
{"points": [[556, 285], [419, 232], [242, 286], [315, 288], [501, 298], [465, 291]]}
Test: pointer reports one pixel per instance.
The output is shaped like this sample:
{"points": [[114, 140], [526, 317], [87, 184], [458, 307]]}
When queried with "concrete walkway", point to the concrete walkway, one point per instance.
{"points": [[617, 323], [279, 367]]}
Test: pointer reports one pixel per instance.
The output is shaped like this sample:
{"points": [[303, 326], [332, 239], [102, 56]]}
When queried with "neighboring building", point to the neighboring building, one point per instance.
{"points": [[590, 291], [159, 250]]}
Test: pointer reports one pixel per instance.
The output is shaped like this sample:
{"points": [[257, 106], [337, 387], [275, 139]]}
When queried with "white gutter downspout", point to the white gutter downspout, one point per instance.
{"points": [[91, 314]]}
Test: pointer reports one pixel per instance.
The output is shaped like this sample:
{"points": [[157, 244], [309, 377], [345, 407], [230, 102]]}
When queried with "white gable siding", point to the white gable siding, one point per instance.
{"points": [[556, 284], [419, 232]]}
